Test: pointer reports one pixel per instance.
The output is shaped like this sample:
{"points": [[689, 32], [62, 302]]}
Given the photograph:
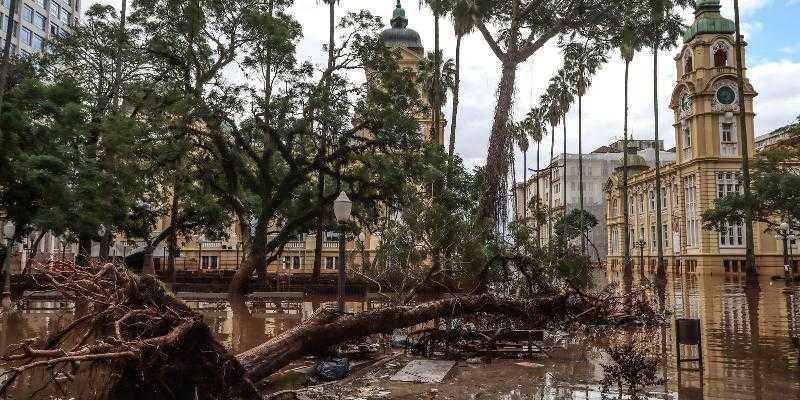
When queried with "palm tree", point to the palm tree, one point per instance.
{"points": [[439, 8], [323, 141], [524, 144], [565, 99], [430, 81], [748, 196], [657, 15], [463, 24], [583, 61], [537, 132], [627, 49], [553, 114]]}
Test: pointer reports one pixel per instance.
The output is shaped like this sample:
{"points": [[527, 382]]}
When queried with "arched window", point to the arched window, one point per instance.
{"points": [[687, 62], [720, 54]]}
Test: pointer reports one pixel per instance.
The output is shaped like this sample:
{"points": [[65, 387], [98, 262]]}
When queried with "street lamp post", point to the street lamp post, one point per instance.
{"points": [[641, 244], [8, 232], [784, 233], [342, 208]]}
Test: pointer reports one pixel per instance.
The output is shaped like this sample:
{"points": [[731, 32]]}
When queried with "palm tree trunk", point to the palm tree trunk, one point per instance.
{"points": [[7, 52], [580, 171], [323, 148], [456, 90], [550, 182], [437, 79], [626, 213], [525, 184], [748, 215], [538, 193], [564, 178], [513, 167], [661, 269]]}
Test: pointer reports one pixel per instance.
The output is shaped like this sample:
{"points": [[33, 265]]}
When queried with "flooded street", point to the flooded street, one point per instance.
{"points": [[746, 336]]}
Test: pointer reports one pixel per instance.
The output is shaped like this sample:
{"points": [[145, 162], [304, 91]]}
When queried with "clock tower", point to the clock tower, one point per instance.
{"points": [[705, 100]]}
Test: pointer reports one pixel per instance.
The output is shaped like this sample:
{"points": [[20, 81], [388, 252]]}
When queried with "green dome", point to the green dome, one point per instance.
{"points": [[708, 20]]}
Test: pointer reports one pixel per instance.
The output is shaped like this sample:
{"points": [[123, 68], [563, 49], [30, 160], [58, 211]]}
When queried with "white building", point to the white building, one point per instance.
{"points": [[597, 168], [36, 21]]}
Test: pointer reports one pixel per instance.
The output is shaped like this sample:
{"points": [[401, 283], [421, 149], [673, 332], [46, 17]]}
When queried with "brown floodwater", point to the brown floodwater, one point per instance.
{"points": [[747, 332]]}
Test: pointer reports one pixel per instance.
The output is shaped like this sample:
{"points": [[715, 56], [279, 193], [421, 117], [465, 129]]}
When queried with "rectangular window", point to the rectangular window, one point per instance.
{"points": [[687, 136], [40, 21], [653, 238], [37, 43], [730, 234], [727, 131], [25, 36], [641, 204], [210, 262], [692, 225], [27, 13], [42, 3], [652, 200], [64, 15], [663, 198], [296, 264], [664, 237], [331, 262], [287, 262]]}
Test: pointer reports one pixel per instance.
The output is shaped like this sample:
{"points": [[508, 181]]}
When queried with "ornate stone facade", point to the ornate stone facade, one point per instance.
{"points": [[708, 166]]}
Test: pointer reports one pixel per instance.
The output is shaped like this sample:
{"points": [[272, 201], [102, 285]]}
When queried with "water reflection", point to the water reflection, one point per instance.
{"points": [[746, 334]]}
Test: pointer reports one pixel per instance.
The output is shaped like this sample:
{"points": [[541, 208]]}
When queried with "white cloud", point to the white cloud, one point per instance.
{"points": [[777, 104]]}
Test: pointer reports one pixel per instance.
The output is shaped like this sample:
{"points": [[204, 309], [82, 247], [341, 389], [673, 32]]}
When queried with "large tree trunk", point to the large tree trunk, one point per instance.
{"points": [[84, 251], [255, 260], [327, 328], [148, 268], [172, 240], [452, 146], [496, 166]]}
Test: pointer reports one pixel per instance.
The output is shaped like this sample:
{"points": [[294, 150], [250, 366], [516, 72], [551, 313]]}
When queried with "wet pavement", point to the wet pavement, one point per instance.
{"points": [[747, 332]]}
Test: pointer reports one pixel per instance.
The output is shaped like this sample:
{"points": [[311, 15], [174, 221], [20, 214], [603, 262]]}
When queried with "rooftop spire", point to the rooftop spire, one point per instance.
{"points": [[399, 20]]}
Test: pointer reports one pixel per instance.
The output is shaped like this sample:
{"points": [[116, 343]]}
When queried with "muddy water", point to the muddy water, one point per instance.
{"points": [[746, 333]]}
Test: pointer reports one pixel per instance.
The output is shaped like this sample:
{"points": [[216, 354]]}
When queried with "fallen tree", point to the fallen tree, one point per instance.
{"points": [[149, 344]]}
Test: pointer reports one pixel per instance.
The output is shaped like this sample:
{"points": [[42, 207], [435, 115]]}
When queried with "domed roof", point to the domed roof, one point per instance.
{"points": [[708, 20], [399, 35]]}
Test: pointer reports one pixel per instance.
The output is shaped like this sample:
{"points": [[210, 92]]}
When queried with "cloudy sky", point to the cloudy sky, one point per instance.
{"points": [[773, 66]]}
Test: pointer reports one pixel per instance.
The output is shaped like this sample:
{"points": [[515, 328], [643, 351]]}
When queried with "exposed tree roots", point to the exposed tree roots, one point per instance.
{"points": [[147, 344]]}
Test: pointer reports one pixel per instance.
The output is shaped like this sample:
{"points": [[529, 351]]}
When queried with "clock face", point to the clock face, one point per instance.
{"points": [[686, 102], [726, 95]]}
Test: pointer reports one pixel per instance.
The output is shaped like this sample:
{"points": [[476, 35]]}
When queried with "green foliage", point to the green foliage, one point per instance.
{"points": [[775, 183], [430, 234], [577, 222], [40, 125]]}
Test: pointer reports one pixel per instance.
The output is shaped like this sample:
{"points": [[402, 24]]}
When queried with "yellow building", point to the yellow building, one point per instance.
{"points": [[706, 109], [297, 258]]}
